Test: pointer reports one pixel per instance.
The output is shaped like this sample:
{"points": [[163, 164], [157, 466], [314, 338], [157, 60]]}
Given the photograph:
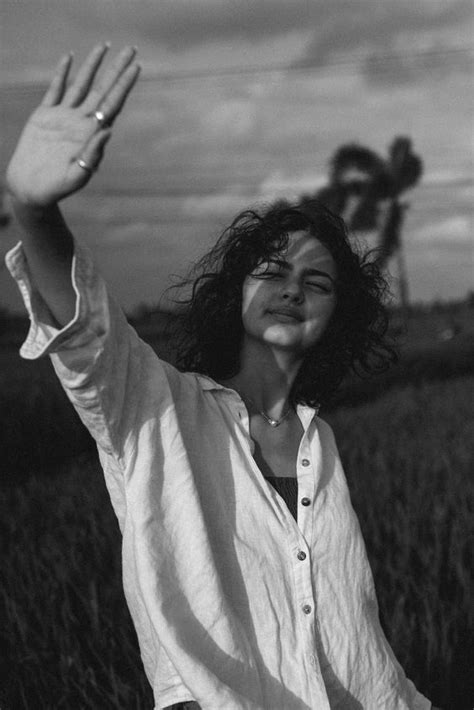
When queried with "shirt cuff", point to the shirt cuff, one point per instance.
{"points": [[44, 336], [419, 701]]}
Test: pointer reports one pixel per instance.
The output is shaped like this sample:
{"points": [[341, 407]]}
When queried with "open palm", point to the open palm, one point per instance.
{"points": [[63, 141]]}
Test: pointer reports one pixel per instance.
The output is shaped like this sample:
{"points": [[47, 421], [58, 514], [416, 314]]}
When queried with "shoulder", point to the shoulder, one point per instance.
{"points": [[184, 383], [326, 434]]}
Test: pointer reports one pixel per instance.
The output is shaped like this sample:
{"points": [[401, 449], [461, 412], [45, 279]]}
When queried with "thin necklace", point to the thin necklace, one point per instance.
{"points": [[273, 422]]}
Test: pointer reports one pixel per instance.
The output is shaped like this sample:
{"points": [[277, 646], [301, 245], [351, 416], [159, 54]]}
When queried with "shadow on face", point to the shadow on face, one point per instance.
{"points": [[287, 301]]}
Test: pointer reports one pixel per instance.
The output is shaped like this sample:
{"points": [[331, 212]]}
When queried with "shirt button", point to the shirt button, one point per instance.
{"points": [[312, 659], [305, 501], [305, 462], [307, 609], [301, 555]]}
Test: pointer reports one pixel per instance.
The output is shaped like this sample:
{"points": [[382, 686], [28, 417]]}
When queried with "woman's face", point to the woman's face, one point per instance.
{"points": [[287, 302]]}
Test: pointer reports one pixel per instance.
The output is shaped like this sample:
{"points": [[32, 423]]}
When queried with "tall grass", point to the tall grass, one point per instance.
{"points": [[68, 641], [409, 459]]}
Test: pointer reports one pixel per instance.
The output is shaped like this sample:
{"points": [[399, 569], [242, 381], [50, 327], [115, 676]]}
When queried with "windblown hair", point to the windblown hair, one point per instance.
{"points": [[209, 336]]}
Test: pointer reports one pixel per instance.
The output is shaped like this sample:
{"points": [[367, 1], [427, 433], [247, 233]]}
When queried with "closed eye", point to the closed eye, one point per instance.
{"points": [[318, 286], [268, 270]]}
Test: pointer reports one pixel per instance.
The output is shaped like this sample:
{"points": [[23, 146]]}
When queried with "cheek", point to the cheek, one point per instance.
{"points": [[322, 314], [330, 308], [324, 308], [251, 294]]}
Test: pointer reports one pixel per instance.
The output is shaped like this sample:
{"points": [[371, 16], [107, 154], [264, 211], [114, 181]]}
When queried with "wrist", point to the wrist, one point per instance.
{"points": [[31, 212]]}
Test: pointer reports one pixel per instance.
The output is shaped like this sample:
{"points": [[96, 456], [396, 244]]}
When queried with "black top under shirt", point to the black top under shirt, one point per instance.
{"points": [[287, 487]]}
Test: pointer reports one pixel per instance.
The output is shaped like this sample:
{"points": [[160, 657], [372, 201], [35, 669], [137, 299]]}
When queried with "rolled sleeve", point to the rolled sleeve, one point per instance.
{"points": [[418, 702], [96, 355], [44, 337]]}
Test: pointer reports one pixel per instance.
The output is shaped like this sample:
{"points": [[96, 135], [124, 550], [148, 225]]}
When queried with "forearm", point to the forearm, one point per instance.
{"points": [[49, 247], [59, 149]]}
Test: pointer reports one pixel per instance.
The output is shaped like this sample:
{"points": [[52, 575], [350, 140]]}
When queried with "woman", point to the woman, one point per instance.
{"points": [[240, 599]]}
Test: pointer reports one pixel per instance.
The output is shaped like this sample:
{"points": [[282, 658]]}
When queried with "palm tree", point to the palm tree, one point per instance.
{"points": [[361, 182]]}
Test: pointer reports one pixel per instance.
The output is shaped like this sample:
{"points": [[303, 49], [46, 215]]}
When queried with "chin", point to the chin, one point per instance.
{"points": [[284, 343], [290, 336]]}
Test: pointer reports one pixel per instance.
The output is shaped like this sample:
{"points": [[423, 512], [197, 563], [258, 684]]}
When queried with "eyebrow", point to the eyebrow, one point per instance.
{"points": [[309, 271]]}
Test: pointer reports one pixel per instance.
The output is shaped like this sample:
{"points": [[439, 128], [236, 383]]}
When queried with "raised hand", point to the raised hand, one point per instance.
{"points": [[64, 140]]}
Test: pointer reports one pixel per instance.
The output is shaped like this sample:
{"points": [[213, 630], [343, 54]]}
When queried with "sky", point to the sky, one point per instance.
{"points": [[242, 102]]}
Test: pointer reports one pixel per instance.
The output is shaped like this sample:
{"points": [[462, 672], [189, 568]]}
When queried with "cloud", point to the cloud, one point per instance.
{"points": [[346, 24], [188, 154], [219, 204], [439, 59], [235, 118], [132, 233], [276, 185], [180, 24], [447, 176], [393, 42], [456, 230], [183, 35], [279, 185]]}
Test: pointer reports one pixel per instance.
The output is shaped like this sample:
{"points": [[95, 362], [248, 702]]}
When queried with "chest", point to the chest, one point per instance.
{"points": [[276, 449]]}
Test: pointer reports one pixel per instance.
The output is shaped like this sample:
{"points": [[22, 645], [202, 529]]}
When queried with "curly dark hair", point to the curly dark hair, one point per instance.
{"points": [[210, 330]]}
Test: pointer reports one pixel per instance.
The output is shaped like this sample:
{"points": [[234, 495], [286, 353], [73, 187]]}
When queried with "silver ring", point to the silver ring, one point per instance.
{"points": [[82, 164], [100, 117]]}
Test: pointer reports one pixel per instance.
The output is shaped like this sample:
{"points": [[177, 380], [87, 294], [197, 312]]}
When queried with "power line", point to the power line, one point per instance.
{"points": [[303, 66], [299, 67], [133, 193]]}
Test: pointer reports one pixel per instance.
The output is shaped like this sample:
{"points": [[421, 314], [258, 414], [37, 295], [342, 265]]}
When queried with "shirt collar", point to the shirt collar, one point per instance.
{"points": [[305, 413], [207, 383]]}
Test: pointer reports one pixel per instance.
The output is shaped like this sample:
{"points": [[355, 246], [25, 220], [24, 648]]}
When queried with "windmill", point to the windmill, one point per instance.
{"points": [[361, 183]]}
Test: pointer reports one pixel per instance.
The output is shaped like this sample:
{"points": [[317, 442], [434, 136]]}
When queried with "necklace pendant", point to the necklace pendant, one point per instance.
{"points": [[271, 422]]}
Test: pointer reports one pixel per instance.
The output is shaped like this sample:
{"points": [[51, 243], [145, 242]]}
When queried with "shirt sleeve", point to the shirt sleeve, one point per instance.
{"points": [[413, 698], [419, 702], [97, 356]]}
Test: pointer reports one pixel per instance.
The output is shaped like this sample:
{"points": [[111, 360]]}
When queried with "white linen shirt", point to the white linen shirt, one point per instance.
{"points": [[236, 605]]}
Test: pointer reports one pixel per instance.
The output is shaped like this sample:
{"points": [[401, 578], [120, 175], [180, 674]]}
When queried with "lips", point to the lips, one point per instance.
{"points": [[286, 314]]}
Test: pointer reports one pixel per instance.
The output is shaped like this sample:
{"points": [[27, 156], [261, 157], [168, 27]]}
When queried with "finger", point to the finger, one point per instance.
{"points": [[56, 88], [85, 76], [93, 152], [111, 76], [116, 98]]}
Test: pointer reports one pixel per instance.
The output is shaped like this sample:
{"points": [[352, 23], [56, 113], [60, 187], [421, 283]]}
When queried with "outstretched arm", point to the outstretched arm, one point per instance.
{"points": [[60, 147]]}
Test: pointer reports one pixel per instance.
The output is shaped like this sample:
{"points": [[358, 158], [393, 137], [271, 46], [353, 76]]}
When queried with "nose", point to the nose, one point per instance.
{"points": [[292, 291]]}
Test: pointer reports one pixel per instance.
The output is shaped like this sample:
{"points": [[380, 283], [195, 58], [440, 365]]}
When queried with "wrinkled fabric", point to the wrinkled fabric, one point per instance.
{"points": [[228, 610]]}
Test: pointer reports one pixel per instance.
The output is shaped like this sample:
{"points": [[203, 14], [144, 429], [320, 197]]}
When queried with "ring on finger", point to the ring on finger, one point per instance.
{"points": [[100, 117], [82, 164]]}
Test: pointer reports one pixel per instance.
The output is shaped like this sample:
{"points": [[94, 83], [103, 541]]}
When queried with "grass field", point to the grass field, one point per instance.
{"points": [[67, 640]]}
